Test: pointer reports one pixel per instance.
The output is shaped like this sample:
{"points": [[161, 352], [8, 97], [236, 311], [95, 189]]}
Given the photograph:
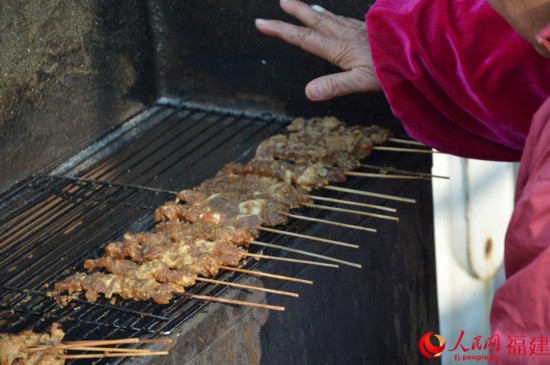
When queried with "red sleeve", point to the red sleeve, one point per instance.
{"points": [[457, 75], [521, 307]]}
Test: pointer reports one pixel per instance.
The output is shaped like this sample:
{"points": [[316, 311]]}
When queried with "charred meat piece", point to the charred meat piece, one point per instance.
{"points": [[325, 140], [12, 346], [229, 210], [200, 257], [167, 268], [306, 176], [246, 185], [227, 197], [157, 270], [126, 286], [169, 211], [136, 246], [377, 135]]}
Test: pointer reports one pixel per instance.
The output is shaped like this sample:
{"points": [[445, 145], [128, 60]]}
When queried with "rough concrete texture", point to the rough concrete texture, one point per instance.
{"points": [[221, 334], [70, 70]]}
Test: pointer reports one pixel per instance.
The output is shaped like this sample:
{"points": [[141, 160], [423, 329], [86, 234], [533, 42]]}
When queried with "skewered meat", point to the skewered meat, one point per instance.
{"points": [[162, 265], [165, 267], [128, 287], [158, 270], [306, 176], [169, 211], [316, 127], [325, 140], [200, 257], [168, 268], [239, 230], [246, 186], [229, 209], [136, 245], [224, 212], [12, 346]]}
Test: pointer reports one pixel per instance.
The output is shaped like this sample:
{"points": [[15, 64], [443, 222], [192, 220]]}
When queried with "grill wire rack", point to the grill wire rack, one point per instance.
{"points": [[52, 221]]}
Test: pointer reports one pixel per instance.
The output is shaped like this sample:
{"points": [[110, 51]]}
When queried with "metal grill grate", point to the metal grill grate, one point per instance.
{"points": [[51, 222]]}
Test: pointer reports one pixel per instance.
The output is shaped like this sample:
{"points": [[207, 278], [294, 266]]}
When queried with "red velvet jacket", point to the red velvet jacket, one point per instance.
{"points": [[461, 80], [522, 305], [457, 75]]}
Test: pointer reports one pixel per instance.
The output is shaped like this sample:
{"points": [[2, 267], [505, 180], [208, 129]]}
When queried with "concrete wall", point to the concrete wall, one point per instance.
{"points": [[70, 70]]}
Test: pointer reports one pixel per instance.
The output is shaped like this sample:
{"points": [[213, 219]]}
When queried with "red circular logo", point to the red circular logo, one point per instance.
{"points": [[427, 348]]}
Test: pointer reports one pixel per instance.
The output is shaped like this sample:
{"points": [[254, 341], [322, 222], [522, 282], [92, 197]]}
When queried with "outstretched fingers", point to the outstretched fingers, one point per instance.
{"points": [[314, 16], [341, 41], [306, 38]]}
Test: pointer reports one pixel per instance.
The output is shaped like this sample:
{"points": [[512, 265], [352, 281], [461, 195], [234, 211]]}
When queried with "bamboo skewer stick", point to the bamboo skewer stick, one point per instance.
{"points": [[324, 221], [250, 287], [267, 275], [97, 345], [108, 349], [260, 256], [119, 342], [230, 301], [293, 234], [382, 176], [367, 193], [406, 141], [405, 172], [328, 258], [357, 204], [67, 345], [374, 215], [399, 149], [108, 354]]}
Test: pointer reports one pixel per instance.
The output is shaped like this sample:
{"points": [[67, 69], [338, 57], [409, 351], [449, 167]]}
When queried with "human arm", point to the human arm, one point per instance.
{"points": [[522, 303], [458, 76]]}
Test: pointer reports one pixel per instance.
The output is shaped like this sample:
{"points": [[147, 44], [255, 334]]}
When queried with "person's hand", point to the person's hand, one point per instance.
{"points": [[339, 40]]}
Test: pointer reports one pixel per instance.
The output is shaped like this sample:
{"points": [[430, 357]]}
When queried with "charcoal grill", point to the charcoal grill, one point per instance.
{"points": [[174, 135]]}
